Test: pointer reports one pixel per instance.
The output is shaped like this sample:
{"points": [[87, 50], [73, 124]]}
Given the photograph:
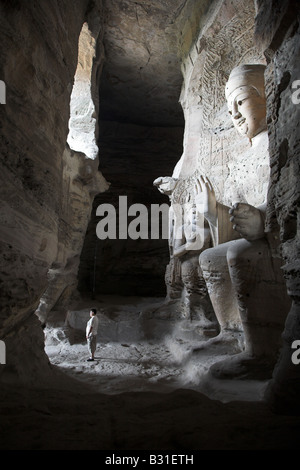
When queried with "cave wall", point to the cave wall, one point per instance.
{"points": [[81, 179], [277, 34], [38, 62], [43, 181]]}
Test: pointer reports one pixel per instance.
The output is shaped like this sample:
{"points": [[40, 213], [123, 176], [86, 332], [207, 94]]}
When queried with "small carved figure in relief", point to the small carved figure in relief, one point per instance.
{"points": [[192, 238], [166, 185], [187, 238]]}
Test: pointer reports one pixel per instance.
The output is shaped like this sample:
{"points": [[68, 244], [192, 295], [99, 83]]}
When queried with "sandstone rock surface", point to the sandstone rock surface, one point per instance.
{"points": [[38, 63], [149, 56]]}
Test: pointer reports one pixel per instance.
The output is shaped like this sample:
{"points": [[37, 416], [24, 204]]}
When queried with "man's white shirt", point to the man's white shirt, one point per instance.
{"points": [[93, 322]]}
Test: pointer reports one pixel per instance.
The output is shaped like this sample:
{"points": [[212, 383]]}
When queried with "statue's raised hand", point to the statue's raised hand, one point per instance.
{"points": [[206, 200], [247, 220]]}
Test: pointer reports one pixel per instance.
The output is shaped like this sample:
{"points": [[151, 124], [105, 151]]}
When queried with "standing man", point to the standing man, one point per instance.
{"points": [[91, 333]]}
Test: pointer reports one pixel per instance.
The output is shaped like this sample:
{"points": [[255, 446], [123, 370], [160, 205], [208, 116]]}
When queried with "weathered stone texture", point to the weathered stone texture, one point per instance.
{"points": [[144, 44], [212, 147], [47, 189], [281, 41], [81, 182], [39, 47]]}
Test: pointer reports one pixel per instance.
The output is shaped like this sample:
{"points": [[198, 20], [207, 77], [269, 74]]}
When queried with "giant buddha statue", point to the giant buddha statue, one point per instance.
{"points": [[243, 269]]}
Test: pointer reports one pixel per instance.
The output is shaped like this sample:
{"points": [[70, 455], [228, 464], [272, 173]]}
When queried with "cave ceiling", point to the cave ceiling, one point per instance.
{"points": [[141, 78]]}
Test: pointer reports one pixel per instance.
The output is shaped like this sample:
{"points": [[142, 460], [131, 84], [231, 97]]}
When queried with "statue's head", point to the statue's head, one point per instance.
{"points": [[245, 94]]}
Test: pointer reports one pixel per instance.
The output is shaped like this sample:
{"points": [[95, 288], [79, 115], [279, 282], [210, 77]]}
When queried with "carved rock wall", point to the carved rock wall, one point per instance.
{"points": [[278, 35], [47, 190], [212, 147], [38, 62], [80, 181], [83, 121]]}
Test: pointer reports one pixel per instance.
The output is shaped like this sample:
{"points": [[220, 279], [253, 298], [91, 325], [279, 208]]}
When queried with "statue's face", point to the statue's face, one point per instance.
{"points": [[191, 215], [248, 110]]}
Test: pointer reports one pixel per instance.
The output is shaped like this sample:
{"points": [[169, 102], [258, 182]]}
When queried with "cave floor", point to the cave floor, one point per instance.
{"points": [[168, 361], [160, 367], [141, 396]]}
